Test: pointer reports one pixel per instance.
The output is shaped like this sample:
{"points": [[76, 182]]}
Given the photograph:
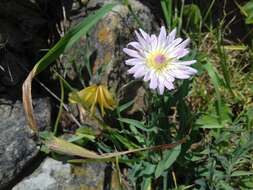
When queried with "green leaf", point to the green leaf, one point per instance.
{"points": [[170, 157], [167, 11], [146, 184], [193, 15], [46, 135], [125, 141], [78, 137], [249, 116], [136, 124], [225, 185], [226, 113], [223, 112], [148, 169], [209, 122], [247, 183], [247, 9], [45, 149], [216, 80], [125, 106], [241, 173]]}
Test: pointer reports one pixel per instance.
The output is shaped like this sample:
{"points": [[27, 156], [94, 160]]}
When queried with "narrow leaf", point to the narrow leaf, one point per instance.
{"points": [[169, 158], [65, 147]]}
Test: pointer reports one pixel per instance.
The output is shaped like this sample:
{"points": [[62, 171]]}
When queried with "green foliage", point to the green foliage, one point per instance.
{"points": [[169, 157], [167, 11], [212, 111], [222, 161], [193, 16], [247, 9]]}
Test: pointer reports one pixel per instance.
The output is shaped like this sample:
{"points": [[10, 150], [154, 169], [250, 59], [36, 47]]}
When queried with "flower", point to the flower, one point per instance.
{"points": [[92, 95], [157, 59]]}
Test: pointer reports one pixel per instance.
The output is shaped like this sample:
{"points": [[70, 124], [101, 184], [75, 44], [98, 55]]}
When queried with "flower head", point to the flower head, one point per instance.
{"points": [[93, 95], [157, 59]]}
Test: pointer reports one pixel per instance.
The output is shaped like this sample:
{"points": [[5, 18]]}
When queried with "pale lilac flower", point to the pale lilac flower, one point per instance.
{"points": [[157, 59]]}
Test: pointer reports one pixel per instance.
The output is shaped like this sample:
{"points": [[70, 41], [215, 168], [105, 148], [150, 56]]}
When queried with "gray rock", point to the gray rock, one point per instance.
{"points": [[26, 29], [17, 148], [106, 41], [55, 175], [98, 3], [109, 38]]}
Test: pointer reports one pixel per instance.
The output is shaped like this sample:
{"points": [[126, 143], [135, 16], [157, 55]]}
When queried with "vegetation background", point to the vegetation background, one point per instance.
{"points": [[211, 115]]}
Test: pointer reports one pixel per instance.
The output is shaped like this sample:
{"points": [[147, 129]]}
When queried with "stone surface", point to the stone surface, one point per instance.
{"points": [[27, 27], [109, 38], [17, 149], [55, 175]]}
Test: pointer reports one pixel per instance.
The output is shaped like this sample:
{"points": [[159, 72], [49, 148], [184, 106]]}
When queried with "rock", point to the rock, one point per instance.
{"points": [[17, 149], [55, 175], [26, 29], [107, 39]]}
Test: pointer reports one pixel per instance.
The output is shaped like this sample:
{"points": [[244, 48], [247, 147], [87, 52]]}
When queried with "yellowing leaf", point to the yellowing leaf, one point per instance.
{"points": [[93, 95], [65, 147]]}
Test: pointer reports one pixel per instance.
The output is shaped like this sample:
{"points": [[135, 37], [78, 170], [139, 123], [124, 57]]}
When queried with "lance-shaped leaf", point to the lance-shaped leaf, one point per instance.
{"points": [[62, 146]]}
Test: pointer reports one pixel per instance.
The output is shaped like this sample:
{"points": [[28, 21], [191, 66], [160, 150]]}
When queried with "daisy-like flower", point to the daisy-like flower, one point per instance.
{"points": [[157, 59]]}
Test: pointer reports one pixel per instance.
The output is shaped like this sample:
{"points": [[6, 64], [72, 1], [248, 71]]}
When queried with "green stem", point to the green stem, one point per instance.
{"points": [[223, 60], [136, 18], [60, 109], [181, 17], [208, 11]]}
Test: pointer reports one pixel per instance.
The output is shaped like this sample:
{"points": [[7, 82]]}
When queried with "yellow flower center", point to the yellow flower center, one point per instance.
{"points": [[157, 60]]}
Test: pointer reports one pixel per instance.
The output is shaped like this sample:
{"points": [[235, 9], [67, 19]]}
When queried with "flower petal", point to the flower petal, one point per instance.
{"points": [[169, 85], [133, 69], [184, 43], [144, 34], [172, 35], [132, 53], [179, 53], [135, 45], [141, 39], [154, 41], [188, 70], [153, 81], [172, 45], [162, 37], [134, 61], [140, 71], [168, 76], [147, 76], [185, 62], [179, 74], [161, 85]]}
